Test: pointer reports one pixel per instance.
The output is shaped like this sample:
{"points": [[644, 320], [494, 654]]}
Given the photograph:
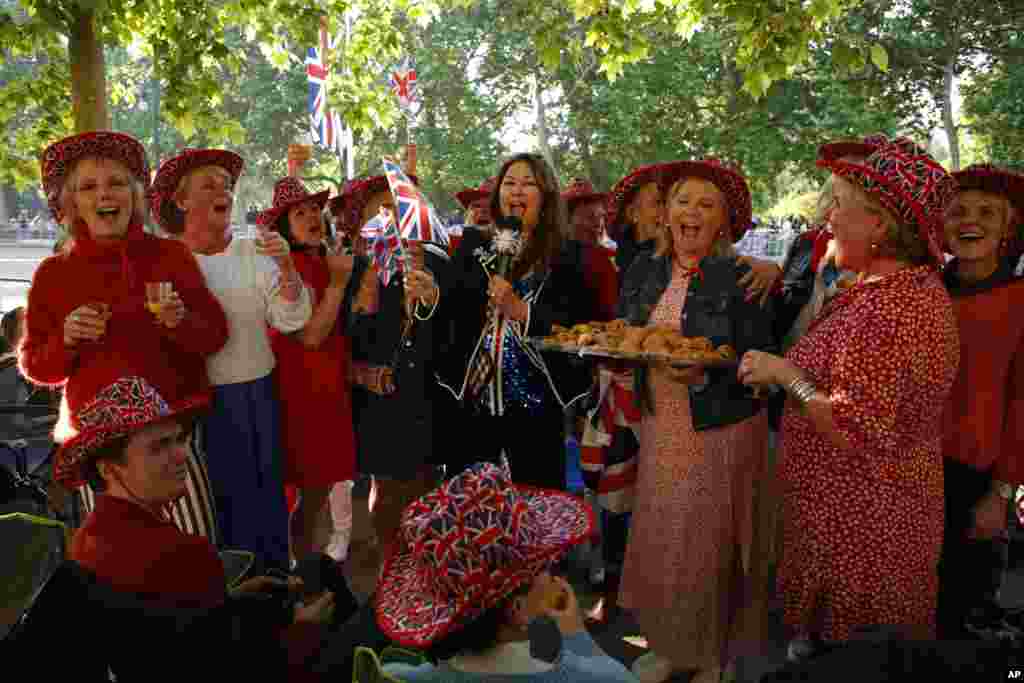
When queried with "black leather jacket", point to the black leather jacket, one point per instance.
{"points": [[715, 308]]}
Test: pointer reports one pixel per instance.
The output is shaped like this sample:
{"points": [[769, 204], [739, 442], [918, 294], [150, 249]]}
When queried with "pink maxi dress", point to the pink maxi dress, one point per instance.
{"points": [[695, 573]]}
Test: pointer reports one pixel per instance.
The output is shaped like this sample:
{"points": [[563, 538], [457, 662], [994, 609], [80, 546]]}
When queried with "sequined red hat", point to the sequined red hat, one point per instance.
{"points": [[161, 195], [289, 192], [471, 195], [622, 193], [468, 545], [59, 158], [123, 408], [580, 190], [727, 178], [348, 205], [909, 183], [852, 148]]}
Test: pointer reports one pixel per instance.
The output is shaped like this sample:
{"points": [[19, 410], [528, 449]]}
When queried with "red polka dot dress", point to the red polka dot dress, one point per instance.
{"points": [[863, 527]]}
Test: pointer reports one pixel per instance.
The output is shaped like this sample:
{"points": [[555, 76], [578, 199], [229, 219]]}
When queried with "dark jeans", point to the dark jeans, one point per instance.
{"points": [[969, 570]]}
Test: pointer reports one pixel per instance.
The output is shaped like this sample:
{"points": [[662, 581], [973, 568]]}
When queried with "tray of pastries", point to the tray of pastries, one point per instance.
{"points": [[649, 344]]}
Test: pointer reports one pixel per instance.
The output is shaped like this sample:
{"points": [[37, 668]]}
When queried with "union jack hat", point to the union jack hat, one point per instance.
{"points": [[909, 183], [580, 190], [467, 546], [863, 148], [289, 192], [1000, 181], [161, 195], [123, 408], [474, 194], [348, 206], [727, 178], [622, 193], [59, 158]]}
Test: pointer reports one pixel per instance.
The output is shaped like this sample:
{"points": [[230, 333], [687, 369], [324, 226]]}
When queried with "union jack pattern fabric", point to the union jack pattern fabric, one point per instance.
{"points": [[417, 219], [611, 443], [325, 123], [909, 183], [468, 545], [403, 83], [386, 248], [122, 408]]}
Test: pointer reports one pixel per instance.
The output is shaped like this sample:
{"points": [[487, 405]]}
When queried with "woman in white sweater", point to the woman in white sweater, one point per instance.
{"points": [[257, 284]]}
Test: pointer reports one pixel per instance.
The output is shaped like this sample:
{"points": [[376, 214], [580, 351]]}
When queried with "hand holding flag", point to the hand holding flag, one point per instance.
{"points": [[417, 219]]}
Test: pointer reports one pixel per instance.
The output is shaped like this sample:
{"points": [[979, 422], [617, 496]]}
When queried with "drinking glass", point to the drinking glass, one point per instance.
{"points": [[157, 293]]}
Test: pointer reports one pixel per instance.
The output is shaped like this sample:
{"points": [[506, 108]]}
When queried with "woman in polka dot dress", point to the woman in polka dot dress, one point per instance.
{"points": [[861, 465]]}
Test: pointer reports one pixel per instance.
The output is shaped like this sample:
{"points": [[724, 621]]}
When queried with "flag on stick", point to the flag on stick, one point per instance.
{"points": [[417, 219]]}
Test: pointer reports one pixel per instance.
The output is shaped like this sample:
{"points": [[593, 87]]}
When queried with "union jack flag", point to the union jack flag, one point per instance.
{"points": [[325, 124], [417, 219], [403, 83], [385, 246]]}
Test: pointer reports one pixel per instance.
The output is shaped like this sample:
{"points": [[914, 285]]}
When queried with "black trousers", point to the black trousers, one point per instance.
{"points": [[969, 570], [534, 444]]}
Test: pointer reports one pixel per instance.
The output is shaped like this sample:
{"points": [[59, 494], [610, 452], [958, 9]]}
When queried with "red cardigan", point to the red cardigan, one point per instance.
{"points": [[984, 418], [173, 361]]}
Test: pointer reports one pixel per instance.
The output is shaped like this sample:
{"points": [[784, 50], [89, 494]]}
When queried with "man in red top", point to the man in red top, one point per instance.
{"points": [[129, 444]]}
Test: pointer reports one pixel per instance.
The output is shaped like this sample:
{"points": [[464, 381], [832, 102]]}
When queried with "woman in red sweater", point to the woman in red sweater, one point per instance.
{"points": [[86, 322], [983, 446], [313, 363]]}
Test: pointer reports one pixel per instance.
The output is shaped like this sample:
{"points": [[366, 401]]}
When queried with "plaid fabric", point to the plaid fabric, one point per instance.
{"points": [[483, 365], [611, 442], [59, 158], [468, 545]]}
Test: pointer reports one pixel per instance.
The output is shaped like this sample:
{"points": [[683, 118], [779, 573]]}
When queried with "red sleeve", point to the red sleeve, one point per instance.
{"points": [[301, 641], [1009, 465], [205, 328], [42, 355], [603, 279]]}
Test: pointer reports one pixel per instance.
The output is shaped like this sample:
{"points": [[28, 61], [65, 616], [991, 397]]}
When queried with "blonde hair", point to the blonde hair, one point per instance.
{"points": [[722, 246], [65, 200], [174, 217], [902, 240]]}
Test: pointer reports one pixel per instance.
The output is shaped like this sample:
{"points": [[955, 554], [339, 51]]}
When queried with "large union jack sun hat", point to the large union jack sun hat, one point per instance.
{"points": [[467, 546]]}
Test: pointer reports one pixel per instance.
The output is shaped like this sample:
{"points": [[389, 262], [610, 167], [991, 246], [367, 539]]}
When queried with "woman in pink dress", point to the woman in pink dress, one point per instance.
{"points": [[691, 569], [861, 467]]}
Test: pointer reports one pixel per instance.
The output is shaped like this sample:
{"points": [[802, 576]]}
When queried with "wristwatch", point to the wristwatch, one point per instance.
{"points": [[1003, 489]]}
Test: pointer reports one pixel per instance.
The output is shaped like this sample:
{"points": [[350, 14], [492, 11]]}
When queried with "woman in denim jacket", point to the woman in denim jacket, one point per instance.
{"points": [[692, 551]]}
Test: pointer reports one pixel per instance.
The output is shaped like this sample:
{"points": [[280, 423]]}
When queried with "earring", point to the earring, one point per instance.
{"points": [[874, 248]]}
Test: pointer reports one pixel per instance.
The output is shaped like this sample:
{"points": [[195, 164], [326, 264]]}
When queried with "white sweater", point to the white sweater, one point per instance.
{"points": [[248, 286]]}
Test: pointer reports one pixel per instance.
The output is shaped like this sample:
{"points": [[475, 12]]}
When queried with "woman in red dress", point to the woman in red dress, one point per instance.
{"points": [[861, 462], [313, 364]]}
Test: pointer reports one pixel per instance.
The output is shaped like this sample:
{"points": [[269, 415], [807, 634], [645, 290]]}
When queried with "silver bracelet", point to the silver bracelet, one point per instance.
{"points": [[802, 390]]}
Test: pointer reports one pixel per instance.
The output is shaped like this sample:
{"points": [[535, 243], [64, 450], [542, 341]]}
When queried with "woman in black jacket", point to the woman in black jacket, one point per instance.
{"points": [[703, 438], [514, 397]]}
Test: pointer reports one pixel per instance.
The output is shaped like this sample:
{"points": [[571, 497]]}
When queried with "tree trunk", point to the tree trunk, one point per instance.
{"points": [[952, 130], [542, 125], [88, 75]]}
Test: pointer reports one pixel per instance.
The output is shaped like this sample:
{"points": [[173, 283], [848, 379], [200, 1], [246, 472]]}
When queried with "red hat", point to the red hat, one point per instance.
{"points": [[846, 148], [727, 178], [169, 175], [59, 158], [622, 192], [909, 183], [471, 195], [123, 408], [468, 545], [348, 205], [289, 192], [580, 190], [1000, 181]]}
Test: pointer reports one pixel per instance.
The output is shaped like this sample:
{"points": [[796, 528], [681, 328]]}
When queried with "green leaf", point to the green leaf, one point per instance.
{"points": [[880, 57]]}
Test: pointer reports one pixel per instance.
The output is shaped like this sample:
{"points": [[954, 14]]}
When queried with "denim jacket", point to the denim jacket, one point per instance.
{"points": [[715, 308]]}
